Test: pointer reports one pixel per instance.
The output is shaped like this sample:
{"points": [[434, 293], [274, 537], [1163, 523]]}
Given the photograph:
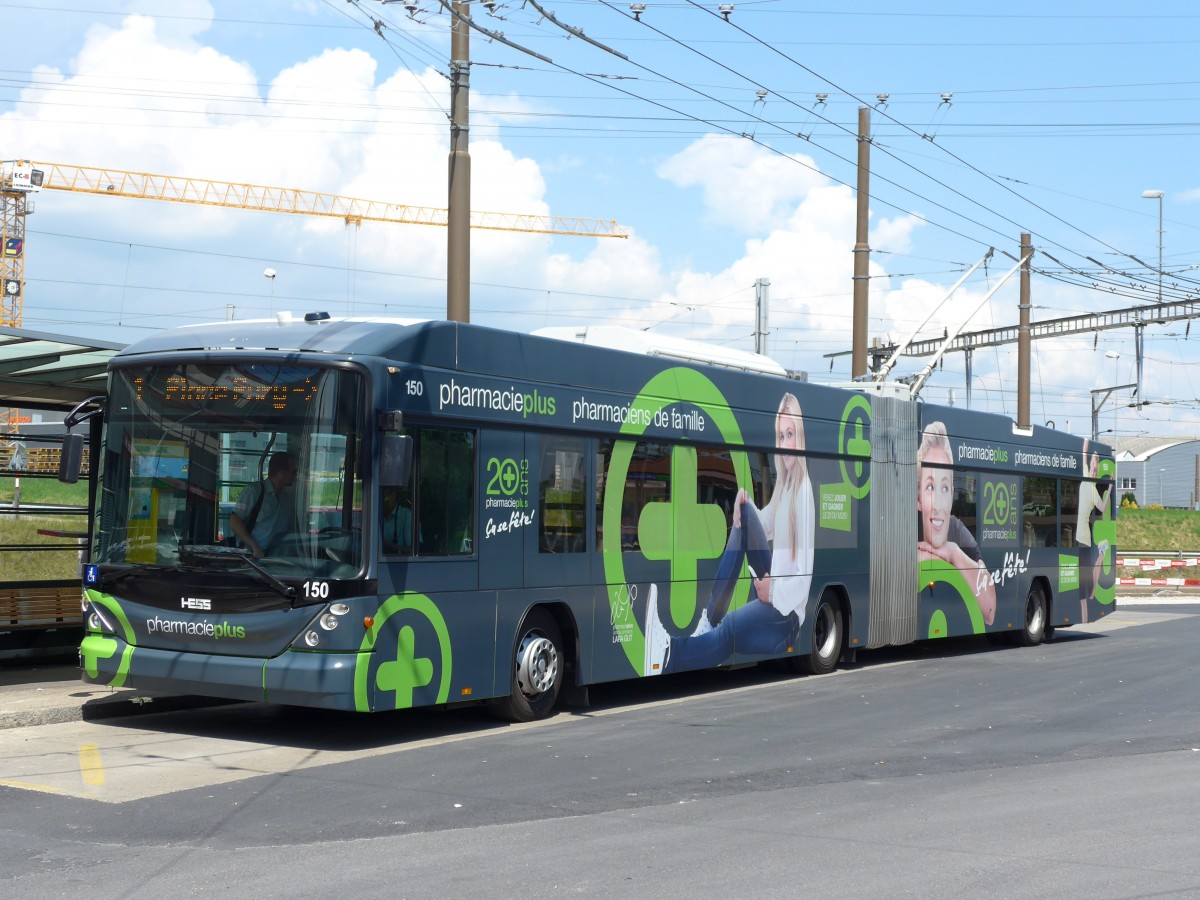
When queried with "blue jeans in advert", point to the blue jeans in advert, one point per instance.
{"points": [[757, 628]]}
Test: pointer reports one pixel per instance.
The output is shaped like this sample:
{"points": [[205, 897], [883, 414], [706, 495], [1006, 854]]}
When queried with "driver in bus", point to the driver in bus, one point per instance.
{"points": [[265, 511], [397, 522]]}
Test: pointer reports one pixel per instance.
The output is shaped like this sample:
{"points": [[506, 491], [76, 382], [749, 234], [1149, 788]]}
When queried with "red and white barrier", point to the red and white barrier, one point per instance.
{"points": [[1152, 564], [1159, 582]]}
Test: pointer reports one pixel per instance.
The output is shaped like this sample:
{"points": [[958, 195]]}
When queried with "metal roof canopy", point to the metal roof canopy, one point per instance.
{"points": [[51, 371]]}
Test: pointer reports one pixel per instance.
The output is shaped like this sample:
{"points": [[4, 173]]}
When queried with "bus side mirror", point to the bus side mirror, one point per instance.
{"points": [[395, 459], [70, 458]]}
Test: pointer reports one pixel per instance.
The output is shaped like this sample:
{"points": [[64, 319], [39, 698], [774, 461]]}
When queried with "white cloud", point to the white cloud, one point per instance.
{"points": [[188, 18], [746, 186], [323, 125], [894, 235], [326, 123]]}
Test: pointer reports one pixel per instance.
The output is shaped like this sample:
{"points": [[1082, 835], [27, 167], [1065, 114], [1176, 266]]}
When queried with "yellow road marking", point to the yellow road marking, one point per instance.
{"points": [[91, 766], [30, 786]]}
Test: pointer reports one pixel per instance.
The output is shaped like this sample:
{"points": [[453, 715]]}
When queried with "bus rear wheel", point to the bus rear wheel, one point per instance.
{"points": [[826, 639], [537, 671], [1033, 632]]}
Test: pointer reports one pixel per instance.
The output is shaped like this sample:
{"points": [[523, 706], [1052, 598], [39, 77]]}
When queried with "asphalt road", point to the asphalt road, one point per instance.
{"points": [[953, 769]]}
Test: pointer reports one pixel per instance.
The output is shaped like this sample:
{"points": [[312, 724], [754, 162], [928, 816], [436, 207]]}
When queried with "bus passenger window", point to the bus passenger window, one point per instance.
{"points": [[1069, 506], [716, 483], [965, 507], [444, 472], [1040, 510], [397, 521], [561, 498], [647, 481]]}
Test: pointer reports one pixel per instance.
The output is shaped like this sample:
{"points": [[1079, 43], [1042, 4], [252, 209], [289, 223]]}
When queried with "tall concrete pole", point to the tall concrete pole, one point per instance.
{"points": [[458, 237], [1160, 272], [1023, 338], [762, 306], [862, 252]]}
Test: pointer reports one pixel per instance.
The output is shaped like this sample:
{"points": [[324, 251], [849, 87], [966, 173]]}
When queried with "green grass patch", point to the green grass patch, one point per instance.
{"points": [[44, 490], [38, 565], [1158, 529]]}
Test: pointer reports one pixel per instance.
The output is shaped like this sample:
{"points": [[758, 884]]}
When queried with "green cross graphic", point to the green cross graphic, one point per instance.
{"points": [[509, 476], [859, 446], [407, 672], [673, 529], [682, 532], [854, 443], [94, 648]]}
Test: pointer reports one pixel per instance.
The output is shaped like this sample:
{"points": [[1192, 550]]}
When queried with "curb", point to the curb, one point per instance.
{"points": [[131, 703]]}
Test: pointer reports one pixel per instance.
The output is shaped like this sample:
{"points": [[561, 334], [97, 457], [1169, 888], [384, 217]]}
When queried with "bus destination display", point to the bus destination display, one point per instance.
{"points": [[230, 389]]}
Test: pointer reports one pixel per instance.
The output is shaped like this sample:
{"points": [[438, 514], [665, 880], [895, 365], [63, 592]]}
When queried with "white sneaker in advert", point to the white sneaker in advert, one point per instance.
{"points": [[658, 642], [703, 626]]}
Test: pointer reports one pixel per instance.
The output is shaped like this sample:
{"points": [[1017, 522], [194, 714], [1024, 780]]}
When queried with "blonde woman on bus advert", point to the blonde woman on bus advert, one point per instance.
{"points": [[776, 544]]}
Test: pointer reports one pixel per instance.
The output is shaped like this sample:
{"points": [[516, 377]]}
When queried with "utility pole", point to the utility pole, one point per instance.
{"points": [[458, 238], [1158, 195], [862, 251], [1023, 338], [762, 303]]}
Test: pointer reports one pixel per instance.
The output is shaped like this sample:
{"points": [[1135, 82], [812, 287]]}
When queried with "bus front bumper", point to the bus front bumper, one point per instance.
{"points": [[323, 680]]}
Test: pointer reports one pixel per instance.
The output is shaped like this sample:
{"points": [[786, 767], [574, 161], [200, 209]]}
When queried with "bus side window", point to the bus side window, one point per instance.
{"points": [[444, 472], [1069, 507], [562, 483], [648, 481], [716, 482], [1040, 509], [966, 505], [396, 519]]}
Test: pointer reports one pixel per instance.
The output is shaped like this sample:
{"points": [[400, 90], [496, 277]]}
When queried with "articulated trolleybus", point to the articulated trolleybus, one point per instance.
{"points": [[381, 514]]}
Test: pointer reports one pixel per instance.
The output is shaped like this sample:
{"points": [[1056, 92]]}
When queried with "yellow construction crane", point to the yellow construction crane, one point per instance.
{"points": [[20, 178], [17, 181]]}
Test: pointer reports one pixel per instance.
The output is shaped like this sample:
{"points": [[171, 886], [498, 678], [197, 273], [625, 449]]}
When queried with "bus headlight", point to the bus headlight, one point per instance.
{"points": [[329, 621], [312, 638], [97, 623], [339, 609]]}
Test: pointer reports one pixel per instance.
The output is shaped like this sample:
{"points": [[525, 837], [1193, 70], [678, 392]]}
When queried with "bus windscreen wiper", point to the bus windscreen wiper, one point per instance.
{"points": [[218, 552], [108, 579]]}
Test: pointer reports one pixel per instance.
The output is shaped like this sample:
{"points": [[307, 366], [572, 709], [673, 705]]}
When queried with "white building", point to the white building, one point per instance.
{"points": [[1159, 471]]}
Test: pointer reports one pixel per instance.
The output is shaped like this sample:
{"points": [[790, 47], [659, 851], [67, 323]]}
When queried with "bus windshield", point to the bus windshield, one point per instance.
{"points": [[194, 450]]}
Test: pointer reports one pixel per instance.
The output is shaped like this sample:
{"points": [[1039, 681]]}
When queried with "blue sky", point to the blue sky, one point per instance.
{"points": [[709, 141]]}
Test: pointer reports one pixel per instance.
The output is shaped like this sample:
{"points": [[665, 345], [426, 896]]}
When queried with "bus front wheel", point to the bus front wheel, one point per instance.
{"points": [[1033, 632], [537, 670], [826, 639]]}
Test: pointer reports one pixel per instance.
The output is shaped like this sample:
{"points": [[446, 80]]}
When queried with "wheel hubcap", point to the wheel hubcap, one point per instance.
{"points": [[823, 632], [537, 664], [1035, 617]]}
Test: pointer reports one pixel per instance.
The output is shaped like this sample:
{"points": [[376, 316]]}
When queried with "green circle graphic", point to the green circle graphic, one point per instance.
{"points": [[397, 603], [858, 487], [675, 385], [96, 646], [938, 571]]}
